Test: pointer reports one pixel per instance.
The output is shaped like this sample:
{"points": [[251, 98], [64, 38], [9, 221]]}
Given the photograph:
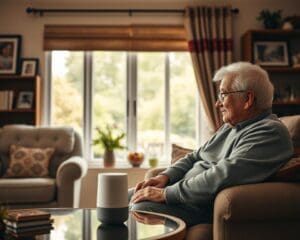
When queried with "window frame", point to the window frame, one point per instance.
{"points": [[131, 105]]}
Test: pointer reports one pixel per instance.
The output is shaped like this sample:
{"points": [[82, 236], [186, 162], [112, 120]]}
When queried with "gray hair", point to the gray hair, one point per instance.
{"points": [[247, 76]]}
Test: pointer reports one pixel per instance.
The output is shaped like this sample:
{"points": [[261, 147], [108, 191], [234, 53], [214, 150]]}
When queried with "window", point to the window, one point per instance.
{"points": [[152, 96], [67, 80], [109, 92]]}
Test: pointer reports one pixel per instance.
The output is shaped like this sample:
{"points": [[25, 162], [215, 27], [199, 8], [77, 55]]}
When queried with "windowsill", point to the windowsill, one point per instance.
{"points": [[121, 165]]}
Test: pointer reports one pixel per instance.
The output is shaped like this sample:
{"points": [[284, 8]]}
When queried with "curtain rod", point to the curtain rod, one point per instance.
{"points": [[42, 11]]}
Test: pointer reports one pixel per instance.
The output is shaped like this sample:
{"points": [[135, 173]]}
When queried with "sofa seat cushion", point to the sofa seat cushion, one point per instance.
{"points": [[27, 190]]}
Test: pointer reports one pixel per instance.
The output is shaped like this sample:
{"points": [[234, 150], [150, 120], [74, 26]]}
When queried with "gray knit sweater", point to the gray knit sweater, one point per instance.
{"points": [[250, 152]]}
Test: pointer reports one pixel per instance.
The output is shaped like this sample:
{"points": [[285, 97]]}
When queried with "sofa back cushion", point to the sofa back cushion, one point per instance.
{"points": [[60, 138], [28, 162], [178, 152], [289, 172], [293, 125]]}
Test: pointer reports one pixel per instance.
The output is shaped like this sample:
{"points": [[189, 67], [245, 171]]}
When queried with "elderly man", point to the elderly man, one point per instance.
{"points": [[250, 146]]}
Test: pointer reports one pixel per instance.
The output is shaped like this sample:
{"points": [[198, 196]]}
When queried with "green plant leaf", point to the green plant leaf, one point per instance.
{"points": [[108, 138]]}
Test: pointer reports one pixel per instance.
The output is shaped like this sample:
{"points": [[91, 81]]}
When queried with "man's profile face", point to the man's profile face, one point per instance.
{"points": [[232, 107]]}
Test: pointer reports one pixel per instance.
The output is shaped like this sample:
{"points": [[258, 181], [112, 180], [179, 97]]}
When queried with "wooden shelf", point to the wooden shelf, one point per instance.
{"points": [[282, 103], [14, 77], [18, 111], [18, 84], [275, 32], [282, 69]]}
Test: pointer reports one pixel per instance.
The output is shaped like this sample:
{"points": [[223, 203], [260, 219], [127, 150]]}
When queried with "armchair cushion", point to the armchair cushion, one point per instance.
{"points": [[178, 152], [62, 139], [28, 162], [293, 125], [289, 172]]}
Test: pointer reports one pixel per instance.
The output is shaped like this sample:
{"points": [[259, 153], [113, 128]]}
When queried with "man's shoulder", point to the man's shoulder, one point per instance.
{"points": [[269, 124]]}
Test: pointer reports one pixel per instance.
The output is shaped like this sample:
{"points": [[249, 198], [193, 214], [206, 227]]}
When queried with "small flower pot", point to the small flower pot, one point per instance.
{"points": [[109, 158]]}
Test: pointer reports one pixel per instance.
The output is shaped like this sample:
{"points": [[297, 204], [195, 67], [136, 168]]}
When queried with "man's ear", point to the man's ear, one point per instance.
{"points": [[249, 100]]}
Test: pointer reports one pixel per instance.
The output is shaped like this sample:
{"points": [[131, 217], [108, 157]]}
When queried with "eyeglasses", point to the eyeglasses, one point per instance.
{"points": [[222, 95]]}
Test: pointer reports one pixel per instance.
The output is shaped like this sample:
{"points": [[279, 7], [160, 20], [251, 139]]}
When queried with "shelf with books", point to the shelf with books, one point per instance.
{"points": [[278, 52], [20, 100]]}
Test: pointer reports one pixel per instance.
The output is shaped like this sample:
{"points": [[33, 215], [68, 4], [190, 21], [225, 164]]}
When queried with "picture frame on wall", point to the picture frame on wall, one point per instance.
{"points": [[271, 53], [25, 100], [29, 67], [10, 48]]}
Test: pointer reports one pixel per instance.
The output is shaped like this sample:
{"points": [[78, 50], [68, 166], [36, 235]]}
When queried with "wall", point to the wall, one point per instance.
{"points": [[89, 183], [14, 20]]}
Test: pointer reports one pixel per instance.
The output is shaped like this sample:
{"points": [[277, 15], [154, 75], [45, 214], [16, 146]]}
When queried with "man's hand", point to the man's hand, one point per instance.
{"points": [[160, 181], [153, 194], [149, 219]]}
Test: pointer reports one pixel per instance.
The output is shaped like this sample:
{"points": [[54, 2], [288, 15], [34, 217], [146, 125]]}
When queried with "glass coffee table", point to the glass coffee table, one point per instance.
{"points": [[82, 224]]}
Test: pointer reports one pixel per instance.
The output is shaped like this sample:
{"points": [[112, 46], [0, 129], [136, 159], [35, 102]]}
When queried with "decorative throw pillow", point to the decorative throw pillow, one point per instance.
{"points": [[28, 162], [293, 125], [179, 152], [289, 172]]}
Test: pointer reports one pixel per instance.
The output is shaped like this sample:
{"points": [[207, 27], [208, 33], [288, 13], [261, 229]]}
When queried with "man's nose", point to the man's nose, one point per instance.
{"points": [[218, 103]]}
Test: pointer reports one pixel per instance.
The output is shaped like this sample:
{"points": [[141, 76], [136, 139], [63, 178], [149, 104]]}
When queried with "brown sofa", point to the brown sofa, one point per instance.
{"points": [[263, 211], [66, 168]]}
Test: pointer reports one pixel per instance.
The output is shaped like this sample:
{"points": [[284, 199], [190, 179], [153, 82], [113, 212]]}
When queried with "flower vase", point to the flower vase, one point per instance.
{"points": [[109, 158]]}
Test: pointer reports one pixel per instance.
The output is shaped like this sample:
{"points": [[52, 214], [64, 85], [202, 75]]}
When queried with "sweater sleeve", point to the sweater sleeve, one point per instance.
{"points": [[182, 166], [256, 155]]}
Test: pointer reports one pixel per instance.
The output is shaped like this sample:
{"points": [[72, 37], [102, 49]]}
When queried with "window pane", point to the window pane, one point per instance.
{"points": [[151, 98], [183, 92], [109, 93], [67, 89]]}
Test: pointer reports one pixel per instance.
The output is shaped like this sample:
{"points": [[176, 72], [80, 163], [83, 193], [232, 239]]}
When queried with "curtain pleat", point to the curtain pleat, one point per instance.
{"points": [[209, 35]]}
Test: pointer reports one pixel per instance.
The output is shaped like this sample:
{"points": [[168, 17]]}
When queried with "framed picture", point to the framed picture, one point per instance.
{"points": [[25, 100], [29, 67], [271, 53], [10, 48]]}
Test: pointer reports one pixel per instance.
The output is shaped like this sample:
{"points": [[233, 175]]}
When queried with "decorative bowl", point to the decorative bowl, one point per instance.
{"points": [[135, 158]]}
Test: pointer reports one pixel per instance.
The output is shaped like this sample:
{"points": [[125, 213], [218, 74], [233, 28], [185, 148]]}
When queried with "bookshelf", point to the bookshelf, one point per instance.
{"points": [[286, 79], [20, 100]]}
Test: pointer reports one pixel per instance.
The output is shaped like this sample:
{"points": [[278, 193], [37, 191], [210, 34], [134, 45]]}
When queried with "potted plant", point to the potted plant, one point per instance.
{"points": [[109, 139], [271, 20]]}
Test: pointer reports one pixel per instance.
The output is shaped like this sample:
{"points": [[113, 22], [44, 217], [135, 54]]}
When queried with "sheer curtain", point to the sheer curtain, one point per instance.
{"points": [[209, 34]]}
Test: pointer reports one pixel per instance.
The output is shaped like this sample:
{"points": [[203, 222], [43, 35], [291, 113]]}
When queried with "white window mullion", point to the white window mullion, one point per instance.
{"points": [[131, 101], [87, 101], [47, 90], [167, 119]]}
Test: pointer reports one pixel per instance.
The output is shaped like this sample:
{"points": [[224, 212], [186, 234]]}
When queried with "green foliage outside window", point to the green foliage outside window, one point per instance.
{"points": [[109, 95]]}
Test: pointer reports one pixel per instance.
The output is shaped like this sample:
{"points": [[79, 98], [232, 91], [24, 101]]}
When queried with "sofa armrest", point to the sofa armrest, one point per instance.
{"points": [[258, 202], [153, 172], [68, 180]]}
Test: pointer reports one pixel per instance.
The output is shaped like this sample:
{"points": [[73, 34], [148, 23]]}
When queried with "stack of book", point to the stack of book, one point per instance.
{"points": [[27, 222], [6, 100]]}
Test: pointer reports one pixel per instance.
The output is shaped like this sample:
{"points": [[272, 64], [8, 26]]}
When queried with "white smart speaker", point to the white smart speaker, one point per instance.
{"points": [[112, 198]]}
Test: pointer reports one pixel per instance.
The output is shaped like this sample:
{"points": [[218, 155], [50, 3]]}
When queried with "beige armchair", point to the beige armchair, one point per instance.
{"points": [[263, 211], [61, 188]]}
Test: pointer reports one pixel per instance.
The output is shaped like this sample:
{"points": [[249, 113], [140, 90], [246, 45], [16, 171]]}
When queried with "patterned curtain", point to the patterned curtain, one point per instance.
{"points": [[210, 44]]}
